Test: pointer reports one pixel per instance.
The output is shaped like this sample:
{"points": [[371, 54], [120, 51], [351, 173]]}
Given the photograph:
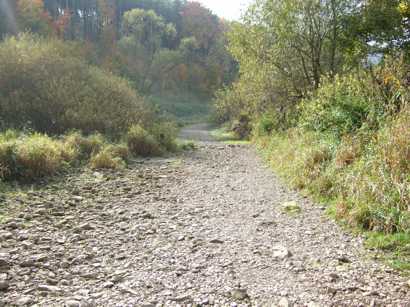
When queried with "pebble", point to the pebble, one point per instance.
{"points": [[239, 294], [24, 301], [281, 252], [284, 302], [4, 285], [48, 288], [72, 303]]}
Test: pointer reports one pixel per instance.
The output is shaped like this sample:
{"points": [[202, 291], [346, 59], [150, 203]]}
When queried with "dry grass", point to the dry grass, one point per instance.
{"points": [[85, 146], [366, 175], [106, 160], [141, 143], [31, 156]]}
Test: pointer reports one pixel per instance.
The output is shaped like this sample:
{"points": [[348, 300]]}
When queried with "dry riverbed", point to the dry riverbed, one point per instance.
{"points": [[210, 227]]}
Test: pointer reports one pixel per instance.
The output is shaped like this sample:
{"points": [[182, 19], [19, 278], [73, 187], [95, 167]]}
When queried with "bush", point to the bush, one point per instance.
{"points": [[84, 146], [106, 159], [119, 151], [46, 86], [267, 124], [31, 156], [165, 133], [242, 126], [366, 174], [141, 143], [339, 107]]}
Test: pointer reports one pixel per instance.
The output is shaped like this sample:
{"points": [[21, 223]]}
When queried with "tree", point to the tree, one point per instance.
{"points": [[384, 24], [199, 22], [31, 16], [285, 47], [144, 35]]}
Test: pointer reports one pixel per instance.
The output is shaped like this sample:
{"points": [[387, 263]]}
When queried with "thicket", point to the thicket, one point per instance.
{"points": [[46, 87], [325, 91]]}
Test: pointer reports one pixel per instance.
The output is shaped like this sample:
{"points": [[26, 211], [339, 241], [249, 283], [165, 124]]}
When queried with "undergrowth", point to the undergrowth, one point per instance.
{"points": [[28, 156], [350, 148]]}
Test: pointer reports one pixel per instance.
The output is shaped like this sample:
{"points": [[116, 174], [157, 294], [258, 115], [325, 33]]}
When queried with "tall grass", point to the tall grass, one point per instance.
{"points": [[351, 147], [28, 156]]}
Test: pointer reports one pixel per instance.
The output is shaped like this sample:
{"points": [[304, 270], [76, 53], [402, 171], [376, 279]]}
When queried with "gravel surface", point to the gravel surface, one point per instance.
{"points": [[210, 227]]}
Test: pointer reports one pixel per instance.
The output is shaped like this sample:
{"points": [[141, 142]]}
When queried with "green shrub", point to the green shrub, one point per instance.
{"points": [[267, 124], [8, 163], [187, 145], [38, 156], [366, 174], [340, 106], [106, 159], [119, 151], [242, 127], [141, 143], [31, 156], [46, 86], [85, 146], [165, 133]]}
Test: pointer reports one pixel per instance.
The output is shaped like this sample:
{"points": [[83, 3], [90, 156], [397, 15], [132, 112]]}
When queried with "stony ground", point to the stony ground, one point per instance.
{"points": [[212, 227]]}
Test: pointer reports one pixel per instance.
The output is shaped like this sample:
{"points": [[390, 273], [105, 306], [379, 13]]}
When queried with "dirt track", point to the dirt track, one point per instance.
{"points": [[205, 228]]}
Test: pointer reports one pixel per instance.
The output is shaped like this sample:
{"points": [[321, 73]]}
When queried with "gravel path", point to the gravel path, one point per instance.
{"points": [[204, 228]]}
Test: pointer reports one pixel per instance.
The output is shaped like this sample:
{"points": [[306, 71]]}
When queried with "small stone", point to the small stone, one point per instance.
{"points": [[90, 275], [333, 277], [216, 241], [312, 304], [85, 226], [28, 263], [48, 288], [343, 259], [147, 216], [182, 298], [283, 302], [24, 301], [280, 252], [239, 294], [4, 285], [77, 198], [52, 281], [108, 284], [72, 303], [6, 235], [291, 207], [4, 261], [331, 291], [12, 225]]}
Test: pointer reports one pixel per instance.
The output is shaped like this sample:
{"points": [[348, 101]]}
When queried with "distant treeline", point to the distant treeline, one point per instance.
{"points": [[159, 45]]}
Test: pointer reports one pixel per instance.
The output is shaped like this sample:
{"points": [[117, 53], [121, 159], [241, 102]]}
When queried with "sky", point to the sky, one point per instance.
{"points": [[228, 9]]}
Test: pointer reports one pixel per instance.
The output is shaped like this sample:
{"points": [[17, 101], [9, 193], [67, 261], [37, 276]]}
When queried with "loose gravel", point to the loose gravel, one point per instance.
{"points": [[206, 228]]}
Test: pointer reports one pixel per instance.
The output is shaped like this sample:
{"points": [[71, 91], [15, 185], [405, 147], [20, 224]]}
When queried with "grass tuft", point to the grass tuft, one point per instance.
{"points": [[141, 143]]}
